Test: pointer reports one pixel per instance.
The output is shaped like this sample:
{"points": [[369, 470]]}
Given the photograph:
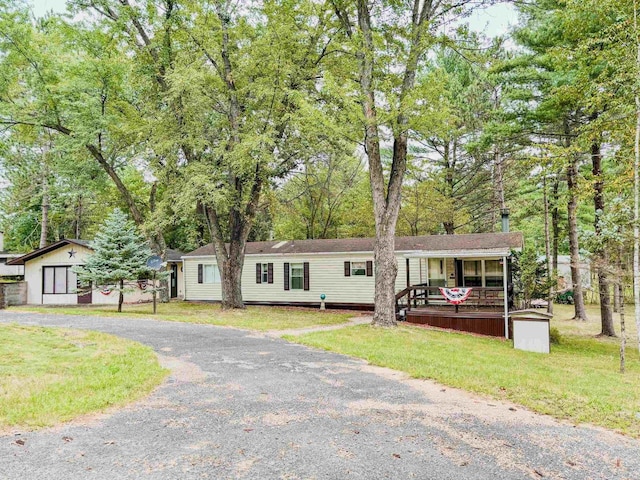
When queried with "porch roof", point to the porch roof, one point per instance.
{"points": [[471, 253]]}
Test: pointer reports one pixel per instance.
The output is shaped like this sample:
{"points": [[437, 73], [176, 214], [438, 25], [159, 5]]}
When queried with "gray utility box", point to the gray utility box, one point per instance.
{"points": [[531, 330]]}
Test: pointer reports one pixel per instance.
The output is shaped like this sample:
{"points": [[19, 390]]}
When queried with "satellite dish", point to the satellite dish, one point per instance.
{"points": [[154, 262]]}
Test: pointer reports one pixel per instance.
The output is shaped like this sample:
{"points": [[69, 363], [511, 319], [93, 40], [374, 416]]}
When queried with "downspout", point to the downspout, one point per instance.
{"points": [[506, 297]]}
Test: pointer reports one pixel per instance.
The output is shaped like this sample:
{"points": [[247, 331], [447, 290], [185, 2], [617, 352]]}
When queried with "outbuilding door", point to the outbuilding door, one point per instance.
{"points": [[174, 280], [84, 294]]}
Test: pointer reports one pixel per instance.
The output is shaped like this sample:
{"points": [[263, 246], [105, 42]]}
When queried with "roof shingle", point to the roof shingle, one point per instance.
{"points": [[476, 241]]}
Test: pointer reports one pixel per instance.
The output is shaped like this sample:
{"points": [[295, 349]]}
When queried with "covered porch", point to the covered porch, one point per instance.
{"points": [[486, 309]]}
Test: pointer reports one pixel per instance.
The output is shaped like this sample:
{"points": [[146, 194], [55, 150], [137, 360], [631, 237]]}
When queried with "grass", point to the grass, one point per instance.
{"points": [[251, 318], [578, 381], [48, 375], [591, 328]]}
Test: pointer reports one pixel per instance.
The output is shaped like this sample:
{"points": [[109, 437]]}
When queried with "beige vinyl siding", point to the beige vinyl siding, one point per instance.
{"points": [[60, 257], [326, 275], [200, 291]]}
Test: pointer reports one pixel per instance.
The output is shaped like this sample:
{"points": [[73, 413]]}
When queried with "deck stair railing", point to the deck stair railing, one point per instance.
{"points": [[416, 296]]}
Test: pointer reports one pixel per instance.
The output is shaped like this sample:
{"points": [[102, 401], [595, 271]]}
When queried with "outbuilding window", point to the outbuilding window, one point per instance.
{"points": [[58, 280]]}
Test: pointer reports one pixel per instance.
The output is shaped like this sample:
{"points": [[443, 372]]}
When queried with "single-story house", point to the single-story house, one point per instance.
{"points": [[297, 272], [5, 257], [50, 280]]}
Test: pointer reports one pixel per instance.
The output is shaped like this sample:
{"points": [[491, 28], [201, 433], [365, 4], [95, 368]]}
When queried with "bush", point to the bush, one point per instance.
{"points": [[554, 336]]}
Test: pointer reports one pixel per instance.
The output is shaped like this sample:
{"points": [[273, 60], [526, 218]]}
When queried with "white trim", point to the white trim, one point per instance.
{"points": [[468, 254], [479, 254], [506, 297]]}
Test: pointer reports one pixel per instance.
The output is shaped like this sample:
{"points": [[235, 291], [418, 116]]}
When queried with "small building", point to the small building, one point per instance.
{"points": [[50, 280], [564, 272], [297, 272], [6, 270]]}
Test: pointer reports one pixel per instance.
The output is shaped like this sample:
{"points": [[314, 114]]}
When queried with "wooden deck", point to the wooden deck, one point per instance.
{"points": [[481, 322], [482, 313]]}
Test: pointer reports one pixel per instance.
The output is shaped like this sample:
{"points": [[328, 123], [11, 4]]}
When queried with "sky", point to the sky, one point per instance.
{"points": [[494, 20]]}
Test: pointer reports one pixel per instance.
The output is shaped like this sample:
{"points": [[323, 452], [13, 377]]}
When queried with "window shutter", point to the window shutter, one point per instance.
{"points": [[369, 268], [306, 275], [286, 276], [199, 273], [258, 273], [408, 274], [347, 269], [270, 273]]}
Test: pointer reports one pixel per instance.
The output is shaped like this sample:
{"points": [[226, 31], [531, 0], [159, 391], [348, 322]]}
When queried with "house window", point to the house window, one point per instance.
{"points": [[265, 273], [472, 273], [493, 273], [359, 268], [58, 280], [210, 274], [297, 276]]}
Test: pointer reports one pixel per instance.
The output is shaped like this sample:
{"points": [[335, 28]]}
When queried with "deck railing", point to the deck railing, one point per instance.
{"points": [[416, 296]]}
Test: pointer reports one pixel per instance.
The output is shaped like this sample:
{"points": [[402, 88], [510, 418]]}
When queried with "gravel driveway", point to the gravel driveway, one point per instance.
{"points": [[247, 405]]}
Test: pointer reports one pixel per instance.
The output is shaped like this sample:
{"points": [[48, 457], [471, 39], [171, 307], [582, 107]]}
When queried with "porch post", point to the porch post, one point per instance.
{"points": [[506, 298]]}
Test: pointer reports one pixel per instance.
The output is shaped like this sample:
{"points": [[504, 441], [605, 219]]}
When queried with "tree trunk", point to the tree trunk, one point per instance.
{"points": [[498, 188], [77, 227], [230, 257], [555, 223], [44, 220], [623, 326], [636, 188], [547, 243], [574, 249], [121, 296], [601, 255], [449, 224], [231, 274], [386, 194]]}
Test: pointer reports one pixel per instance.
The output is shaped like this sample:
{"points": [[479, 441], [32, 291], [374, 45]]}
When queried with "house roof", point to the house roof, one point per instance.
{"points": [[49, 248], [428, 243], [171, 254]]}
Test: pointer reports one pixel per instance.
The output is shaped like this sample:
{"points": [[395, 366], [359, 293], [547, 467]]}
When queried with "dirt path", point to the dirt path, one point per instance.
{"points": [[360, 320]]}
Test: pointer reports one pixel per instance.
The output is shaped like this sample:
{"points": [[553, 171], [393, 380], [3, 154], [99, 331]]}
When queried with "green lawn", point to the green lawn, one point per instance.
{"points": [[52, 375], [251, 318], [578, 381]]}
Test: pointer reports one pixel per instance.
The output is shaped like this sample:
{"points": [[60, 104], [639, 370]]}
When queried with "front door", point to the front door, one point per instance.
{"points": [[84, 293], [174, 280]]}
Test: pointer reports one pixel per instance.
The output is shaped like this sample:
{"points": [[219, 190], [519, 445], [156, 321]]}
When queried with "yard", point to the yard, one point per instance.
{"points": [[49, 375], [252, 318], [578, 381]]}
